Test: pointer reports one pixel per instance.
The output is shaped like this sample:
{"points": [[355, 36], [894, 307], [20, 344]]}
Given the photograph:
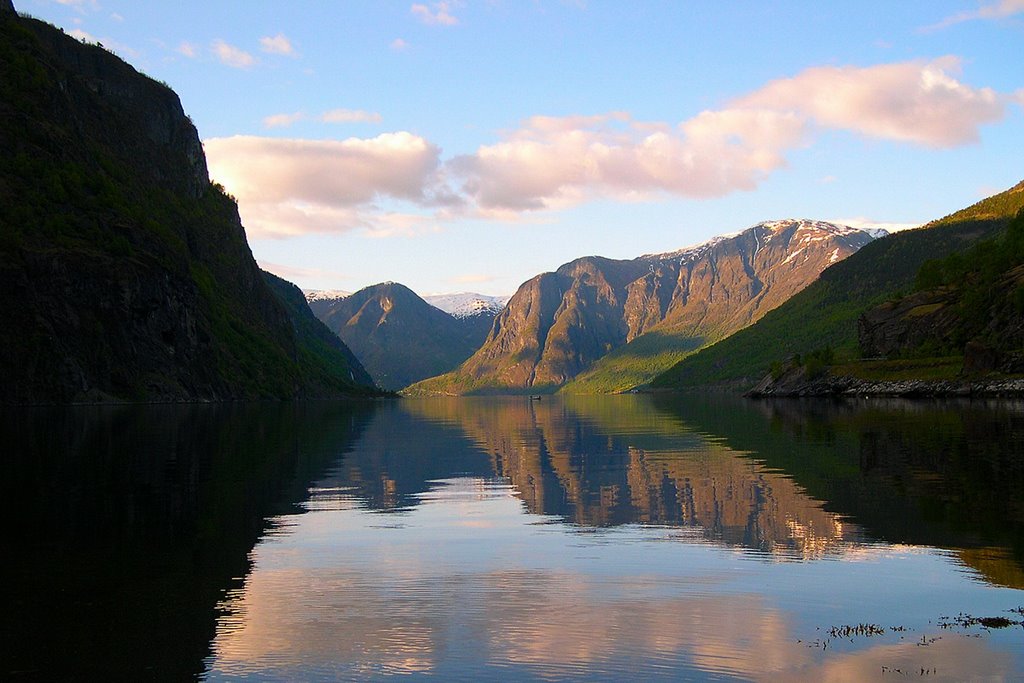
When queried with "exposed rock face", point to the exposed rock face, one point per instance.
{"points": [[124, 274], [560, 324], [908, 323], [398, 336]]}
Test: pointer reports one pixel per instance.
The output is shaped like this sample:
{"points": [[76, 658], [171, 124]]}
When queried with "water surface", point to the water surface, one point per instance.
{"points": [[596, 538]]}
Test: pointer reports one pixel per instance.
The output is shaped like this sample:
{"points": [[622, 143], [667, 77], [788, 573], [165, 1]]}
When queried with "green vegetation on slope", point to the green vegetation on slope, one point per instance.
{"points": [[633, 365], [322, 357], [124, 273], [984, 283], [825, 313]]}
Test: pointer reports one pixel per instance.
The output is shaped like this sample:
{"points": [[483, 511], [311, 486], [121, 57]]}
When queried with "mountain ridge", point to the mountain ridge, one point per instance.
{"points": [[562, 323], [825, 314]]}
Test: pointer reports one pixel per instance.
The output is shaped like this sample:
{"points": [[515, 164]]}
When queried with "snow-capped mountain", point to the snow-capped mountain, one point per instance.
{"points": [[325, 294], [807, 231], [467, 304]]}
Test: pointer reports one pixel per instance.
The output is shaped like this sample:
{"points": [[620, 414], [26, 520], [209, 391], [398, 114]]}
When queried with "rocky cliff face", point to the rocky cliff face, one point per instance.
{"points": [[398, 336], [561, 324], [124, 274]]}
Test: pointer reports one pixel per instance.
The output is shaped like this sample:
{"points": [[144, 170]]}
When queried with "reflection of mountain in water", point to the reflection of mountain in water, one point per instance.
{"points": [[133, 521], [941, 473], [596, 463]]}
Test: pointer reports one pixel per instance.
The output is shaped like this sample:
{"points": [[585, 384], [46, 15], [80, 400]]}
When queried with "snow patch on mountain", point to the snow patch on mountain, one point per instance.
{"points": [[807, 229], [325, 294], [467, 304]]}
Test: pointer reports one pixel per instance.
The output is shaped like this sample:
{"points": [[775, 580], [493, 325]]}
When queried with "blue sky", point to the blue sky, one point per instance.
{"points": [[469, 145]]}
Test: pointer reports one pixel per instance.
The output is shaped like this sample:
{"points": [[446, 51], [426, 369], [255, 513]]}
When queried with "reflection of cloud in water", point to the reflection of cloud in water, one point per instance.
{"points": [[333, 621]]}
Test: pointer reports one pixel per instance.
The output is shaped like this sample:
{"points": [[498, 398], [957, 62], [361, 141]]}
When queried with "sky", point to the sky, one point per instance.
{"points": [[468, 145]]}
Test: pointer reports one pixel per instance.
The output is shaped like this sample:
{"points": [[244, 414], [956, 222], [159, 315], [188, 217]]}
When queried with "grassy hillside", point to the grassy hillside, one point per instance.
{"points": [[825, 313], [635, 364]]}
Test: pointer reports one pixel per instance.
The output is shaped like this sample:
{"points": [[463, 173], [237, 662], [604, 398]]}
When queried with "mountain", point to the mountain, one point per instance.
{"points": [[326, 353], [625, 321], [825, 314], [467, 304], [124, 273], [398, 336], [968, 304]]}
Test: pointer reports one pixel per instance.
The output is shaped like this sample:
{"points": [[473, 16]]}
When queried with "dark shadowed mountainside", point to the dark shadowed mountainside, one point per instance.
{"points": [[124, 273]]}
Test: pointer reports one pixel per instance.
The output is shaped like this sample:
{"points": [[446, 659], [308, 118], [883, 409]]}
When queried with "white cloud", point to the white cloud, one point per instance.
{"points": [[551, 162], [918, 102], [398, 44], [350, 116], [232, 56], [438, 13], [190, 50], [282, 120], [79, 34], [106, 43], [288, 187], [277, 45], [992, 10]]}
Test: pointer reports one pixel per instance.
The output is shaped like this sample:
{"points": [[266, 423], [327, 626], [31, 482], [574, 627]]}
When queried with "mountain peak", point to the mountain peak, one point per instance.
{"points": [[325, 294], [467, 304]]}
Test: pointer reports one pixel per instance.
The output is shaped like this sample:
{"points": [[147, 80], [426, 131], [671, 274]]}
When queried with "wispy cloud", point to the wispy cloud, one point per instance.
{"points": [[277, 45], [282, 120], [332, 116], [188, 49], [112, 45], [232, 56], [993, 10], [398, 44], [350, 116], [437, 13]]}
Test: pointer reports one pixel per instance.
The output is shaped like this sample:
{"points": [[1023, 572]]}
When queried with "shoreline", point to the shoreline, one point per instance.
{"points": [[914, 388]]}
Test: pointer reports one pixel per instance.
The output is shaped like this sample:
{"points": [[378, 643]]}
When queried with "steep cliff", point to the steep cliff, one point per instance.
{"points": [[124, 274], [616, 324]]}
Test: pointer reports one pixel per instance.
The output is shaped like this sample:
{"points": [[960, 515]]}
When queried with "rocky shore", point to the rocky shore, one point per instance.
{"points": [[797, 384]]}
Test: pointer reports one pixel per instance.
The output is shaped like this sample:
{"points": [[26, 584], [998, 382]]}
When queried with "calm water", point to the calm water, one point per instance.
{"points": [[466, 539]]}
